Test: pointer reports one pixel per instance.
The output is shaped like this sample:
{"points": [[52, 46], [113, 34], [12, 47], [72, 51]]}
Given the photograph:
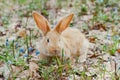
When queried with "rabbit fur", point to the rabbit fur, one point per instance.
{"points": [[61, 38]]}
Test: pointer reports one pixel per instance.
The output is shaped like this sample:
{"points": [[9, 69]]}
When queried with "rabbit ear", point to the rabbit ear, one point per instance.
{"points": [[41, 22], [63, 24]]}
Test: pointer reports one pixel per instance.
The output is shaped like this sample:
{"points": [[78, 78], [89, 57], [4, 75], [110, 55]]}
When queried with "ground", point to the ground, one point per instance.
{"points": [[19, 39]]}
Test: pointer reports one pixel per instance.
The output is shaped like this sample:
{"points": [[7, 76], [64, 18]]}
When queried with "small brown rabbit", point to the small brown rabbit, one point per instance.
{"points": [[62, 37]]}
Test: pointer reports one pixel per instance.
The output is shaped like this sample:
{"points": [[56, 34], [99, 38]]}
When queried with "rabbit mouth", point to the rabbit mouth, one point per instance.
{"points": [[54, 53]]}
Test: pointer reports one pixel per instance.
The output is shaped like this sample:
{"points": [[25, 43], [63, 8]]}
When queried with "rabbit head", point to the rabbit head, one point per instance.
{"points": [[52, 39]]}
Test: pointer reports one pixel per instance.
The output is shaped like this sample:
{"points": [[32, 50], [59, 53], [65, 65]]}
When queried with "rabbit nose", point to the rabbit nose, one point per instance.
{"points": [[55, 51]]}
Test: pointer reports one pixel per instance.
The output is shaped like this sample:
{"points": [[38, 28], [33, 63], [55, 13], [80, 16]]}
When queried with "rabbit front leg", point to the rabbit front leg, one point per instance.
{"points": [[68, 56], [82, 57], [42, 56]]}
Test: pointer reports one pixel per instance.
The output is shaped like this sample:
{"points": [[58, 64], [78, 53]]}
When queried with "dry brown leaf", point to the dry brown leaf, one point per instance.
{"points": [[93, 55], [33, 68], [16, 69], [118, 50], [23, 75], [22, 33], [99, 26], [92, 39]]}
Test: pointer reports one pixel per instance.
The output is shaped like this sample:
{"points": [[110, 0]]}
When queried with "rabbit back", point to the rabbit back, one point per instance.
{"points": [[74, 41]]}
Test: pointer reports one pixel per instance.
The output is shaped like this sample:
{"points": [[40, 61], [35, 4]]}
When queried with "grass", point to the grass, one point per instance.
{"points": [[112, 47], [18, 52]]}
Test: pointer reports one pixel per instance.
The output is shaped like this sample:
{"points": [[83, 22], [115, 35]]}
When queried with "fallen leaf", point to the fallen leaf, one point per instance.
{"points": [[93, 55], [118, 50], [33, 68], [99, 26], [22, 33], [92, 39], [23, 74]]}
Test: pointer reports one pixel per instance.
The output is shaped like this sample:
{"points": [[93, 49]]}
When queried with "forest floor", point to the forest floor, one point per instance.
{"points": [[99, 20]]}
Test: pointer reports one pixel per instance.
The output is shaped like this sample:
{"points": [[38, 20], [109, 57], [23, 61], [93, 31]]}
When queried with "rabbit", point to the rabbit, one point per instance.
{"points": [[61, 38]]}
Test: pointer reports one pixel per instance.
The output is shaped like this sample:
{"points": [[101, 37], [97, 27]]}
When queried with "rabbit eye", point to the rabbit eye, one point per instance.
{"points": [[48, 40]]}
